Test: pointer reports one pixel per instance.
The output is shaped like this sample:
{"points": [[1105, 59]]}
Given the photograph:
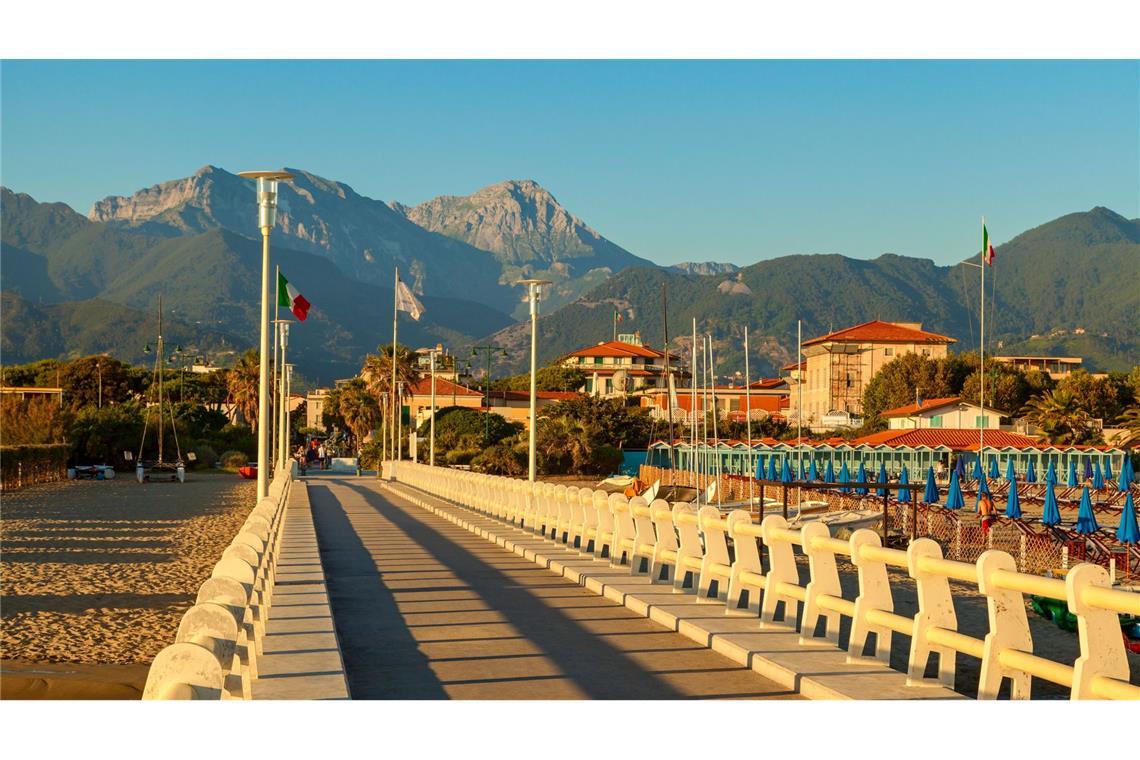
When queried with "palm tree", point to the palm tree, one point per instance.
{"points": [[357, 407], [377, 373], [243, 383], [1059, 415], [1130, 421]]}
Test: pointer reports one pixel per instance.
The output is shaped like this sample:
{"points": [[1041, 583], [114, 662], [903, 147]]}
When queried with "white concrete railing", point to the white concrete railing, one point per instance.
{"points": [[689, 548], [220, 638]]}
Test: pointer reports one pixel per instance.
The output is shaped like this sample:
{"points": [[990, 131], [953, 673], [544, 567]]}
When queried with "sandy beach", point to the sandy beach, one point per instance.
{"points": [[96, 575]]}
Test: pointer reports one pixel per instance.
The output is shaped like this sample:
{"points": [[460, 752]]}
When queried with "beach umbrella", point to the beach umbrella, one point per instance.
{"points": [[861, 477], [1031, 475], [844, 477], [1131, 472], [760, 468], [1127, 532], [1010, 475], [1051, 475], [983, 486], [772, 474], [1013, 504], [813, 473], [954, 498], [803, 472], [1098, 477], [786, 473], [1088, 468], [994, 473], [977, 474], [829, 473], [904, 479], [931, 494], [1051, 514], [960, 467], [1125, 480], [1086, 520], [882, 479], [1072, 482], [1108, 470]]}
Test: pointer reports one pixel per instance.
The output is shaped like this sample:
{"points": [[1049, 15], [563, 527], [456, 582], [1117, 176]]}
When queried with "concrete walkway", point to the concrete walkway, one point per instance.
{"points": [[424, 609]]}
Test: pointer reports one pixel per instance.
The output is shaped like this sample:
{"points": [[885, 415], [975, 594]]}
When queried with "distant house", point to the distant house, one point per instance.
{"points": [[953, 413], [765, 398], [1057, 367], [622, 366], [28, 392]]}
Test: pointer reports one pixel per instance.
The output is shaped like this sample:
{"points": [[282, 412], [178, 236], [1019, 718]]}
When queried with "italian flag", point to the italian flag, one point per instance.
{"points": [[288, 296], [987, 247]]}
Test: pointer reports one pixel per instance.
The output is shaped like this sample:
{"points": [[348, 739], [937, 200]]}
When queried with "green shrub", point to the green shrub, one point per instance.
{"points": [[501, 459], [459, 456], [605, 460], [231, 460], [370, 454]]}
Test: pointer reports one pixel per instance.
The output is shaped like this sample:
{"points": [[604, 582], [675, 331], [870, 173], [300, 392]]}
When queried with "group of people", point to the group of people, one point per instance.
{"points": [[318, 454]]}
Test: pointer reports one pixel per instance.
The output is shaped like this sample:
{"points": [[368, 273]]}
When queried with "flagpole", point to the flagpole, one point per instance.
{"points": [[982, 353], [668, 373], [716, 413], [395, 312], [748, 418]]}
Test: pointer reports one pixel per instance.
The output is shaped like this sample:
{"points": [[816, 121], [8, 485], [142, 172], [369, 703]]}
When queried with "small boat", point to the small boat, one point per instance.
{"points": [[249, 472], [91, 472], [848, 519]]}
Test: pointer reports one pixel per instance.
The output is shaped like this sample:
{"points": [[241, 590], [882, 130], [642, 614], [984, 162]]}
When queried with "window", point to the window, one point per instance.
{"points": [[888, 352], [981, 421], [936, 421], [597, 360], [926, 352]]}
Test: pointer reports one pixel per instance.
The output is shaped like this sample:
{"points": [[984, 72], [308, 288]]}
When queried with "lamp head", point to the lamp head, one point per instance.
{"points": [[266, 195]]}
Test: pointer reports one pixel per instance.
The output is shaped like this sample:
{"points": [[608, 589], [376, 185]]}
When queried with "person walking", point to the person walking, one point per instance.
{"points": [[321, 455], [987, 512]]}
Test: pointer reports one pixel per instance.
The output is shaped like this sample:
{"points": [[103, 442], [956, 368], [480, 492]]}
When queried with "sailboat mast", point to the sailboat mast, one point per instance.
{"points": [[158, 361], [668, 374], [748, 418], [693, 412], [799, 393], [716, 413]]}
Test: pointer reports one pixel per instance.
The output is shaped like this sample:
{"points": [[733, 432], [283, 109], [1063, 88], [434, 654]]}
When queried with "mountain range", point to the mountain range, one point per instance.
{"points": [[74, 284]]}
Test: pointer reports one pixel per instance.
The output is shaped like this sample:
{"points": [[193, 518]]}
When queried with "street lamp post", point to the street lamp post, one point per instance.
{"points": [[288, 383], [431, 425], [534, 291], [487, 380], [266, 218]]}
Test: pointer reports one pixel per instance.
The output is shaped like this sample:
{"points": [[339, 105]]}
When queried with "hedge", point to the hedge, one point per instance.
{"points": [[33, 463]]}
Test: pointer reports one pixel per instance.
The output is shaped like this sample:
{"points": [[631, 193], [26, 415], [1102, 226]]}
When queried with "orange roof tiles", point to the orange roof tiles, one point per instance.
{"points": [[878, 331], [927, 405], [442, 388], [958, 439], [619, 349]]}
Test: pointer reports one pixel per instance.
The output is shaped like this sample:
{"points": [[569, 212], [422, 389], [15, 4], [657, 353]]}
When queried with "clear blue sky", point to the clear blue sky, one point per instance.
{"points": [[729, 161]]}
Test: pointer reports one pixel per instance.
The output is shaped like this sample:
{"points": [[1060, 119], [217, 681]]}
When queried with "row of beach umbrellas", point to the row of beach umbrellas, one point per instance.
{"points": [[1126, 532]]}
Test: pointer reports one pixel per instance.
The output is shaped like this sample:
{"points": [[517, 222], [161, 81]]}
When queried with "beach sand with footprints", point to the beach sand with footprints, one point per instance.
{"points": [[96, 576]]}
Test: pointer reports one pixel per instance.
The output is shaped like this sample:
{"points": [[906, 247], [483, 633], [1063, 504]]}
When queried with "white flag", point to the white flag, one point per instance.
{"points": [[407, 301]]}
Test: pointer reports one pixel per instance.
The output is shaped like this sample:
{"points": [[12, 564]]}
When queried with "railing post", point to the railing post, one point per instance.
{"points": [[935, 610], [1009, 629], [824, 580], [781, 569], [874, 594], [1102, 646]]}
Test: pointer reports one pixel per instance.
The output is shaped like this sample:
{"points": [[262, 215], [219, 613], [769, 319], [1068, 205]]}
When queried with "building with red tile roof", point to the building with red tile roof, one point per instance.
{"points": [[838, 366], [619, 367]]}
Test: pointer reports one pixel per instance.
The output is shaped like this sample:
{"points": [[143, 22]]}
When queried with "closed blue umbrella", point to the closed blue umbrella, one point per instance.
{"points": [[983, 486], [994, 473], [803, 472], [1086, 520], [960, 467], [954, 498], [844, 477], [813, 473], [861, 477], [1031, 475], [1013, 503], [1051, 515], [1108, 470], [882, 479], [1072, 482], [904, 493], [1010, 475], [1127, 531], [772, 474], [829, 473], [977, 474], [786, 473], [931, 494], [1125, 478], [1051, 475], [1098, 477], [760, 468], [1088, 468], [1131, 471]]}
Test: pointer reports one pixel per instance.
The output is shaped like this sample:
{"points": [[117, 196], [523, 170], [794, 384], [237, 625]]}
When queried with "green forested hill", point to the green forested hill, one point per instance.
{"points": [[1079, 271]]}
